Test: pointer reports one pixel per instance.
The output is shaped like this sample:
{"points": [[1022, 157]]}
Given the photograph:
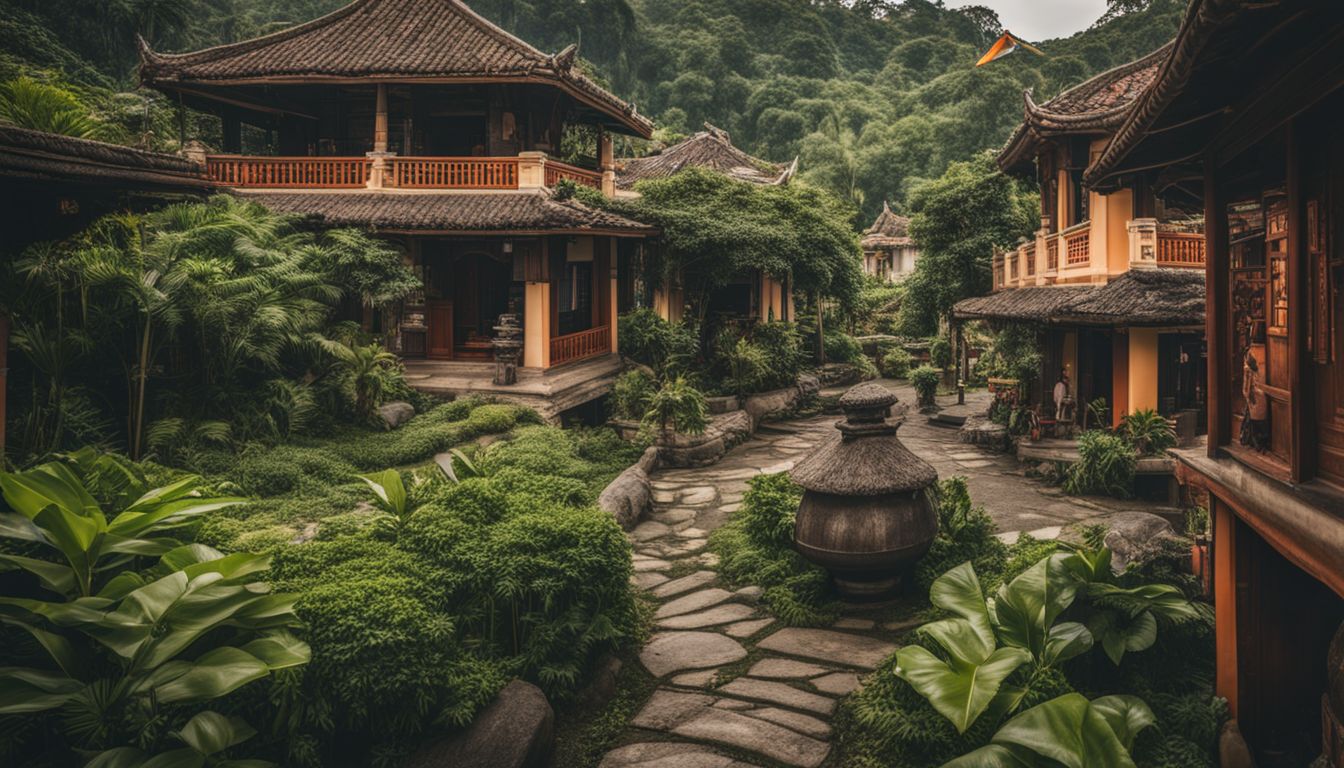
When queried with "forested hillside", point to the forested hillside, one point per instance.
{"points": [[873, 95]]}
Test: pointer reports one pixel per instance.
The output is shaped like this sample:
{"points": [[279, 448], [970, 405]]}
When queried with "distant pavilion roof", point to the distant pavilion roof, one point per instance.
{"points": [[1095, 106], [440, 41], [711, 148], [1137, 298], [35, 157], [889, 230], [511, 213]]}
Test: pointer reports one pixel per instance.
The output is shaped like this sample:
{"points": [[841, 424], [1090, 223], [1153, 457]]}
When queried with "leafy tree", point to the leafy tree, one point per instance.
{"points": [[959, 219], [27, 103]]}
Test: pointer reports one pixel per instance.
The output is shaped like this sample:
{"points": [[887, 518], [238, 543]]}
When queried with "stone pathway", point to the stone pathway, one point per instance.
{"points": [[736, 687]]}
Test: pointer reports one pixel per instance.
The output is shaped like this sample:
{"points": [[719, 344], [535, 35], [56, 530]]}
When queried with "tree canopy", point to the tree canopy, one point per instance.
{"points": [[959, 219]]}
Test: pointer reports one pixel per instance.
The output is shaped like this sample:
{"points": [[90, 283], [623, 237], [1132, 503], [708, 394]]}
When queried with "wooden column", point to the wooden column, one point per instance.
{"points": [[1224, 524], [1302, 404], [606, 162], [613, 294], [1217, 313], [537, 308], [380, 120]]}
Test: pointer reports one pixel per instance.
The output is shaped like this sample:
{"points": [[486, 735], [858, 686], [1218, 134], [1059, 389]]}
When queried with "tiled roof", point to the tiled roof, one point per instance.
{"points": [[1097, 105], [889, 230], [1139, 297], [710, 148], [532, 212], [431, 39], [37, 156]]}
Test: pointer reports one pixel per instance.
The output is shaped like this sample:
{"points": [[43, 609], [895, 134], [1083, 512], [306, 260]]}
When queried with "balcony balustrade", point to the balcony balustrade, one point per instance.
{"points": [[526, 171], [584, 344], [1077, 244], [1180, 249]]}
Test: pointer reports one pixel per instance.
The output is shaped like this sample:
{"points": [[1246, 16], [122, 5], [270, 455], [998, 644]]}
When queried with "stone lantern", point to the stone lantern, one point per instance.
{"points": [[508, 348], [867, 514]]}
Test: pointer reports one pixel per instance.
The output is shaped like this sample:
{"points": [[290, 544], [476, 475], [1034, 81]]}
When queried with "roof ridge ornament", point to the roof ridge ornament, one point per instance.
{"points": [[564, 60]]}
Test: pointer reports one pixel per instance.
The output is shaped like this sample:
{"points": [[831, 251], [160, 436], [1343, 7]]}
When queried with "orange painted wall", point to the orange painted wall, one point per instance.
{"points": [[1119, 378], [1142, 369], [537, 325]]}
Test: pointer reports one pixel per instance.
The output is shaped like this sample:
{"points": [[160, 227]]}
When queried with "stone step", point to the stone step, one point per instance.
{"points": [[696, 601], [826, 645], [684, 584], [694, 716], [669, 652], [723, 614], [778, 693]]}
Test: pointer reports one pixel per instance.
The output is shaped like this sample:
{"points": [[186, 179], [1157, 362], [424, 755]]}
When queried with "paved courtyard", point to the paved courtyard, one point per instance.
{"points": [[736, 687]]}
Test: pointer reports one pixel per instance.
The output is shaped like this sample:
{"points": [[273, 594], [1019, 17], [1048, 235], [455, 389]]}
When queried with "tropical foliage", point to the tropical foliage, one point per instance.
{"points": [[925, 380], [676, 406], [200, 324], [1148, 431], [1106, 465]]}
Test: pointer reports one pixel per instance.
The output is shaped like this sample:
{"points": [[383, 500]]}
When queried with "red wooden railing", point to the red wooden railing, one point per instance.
{"points": [[577, 346], [1052, 253], [454, 172], [289, 172], [1180, 249], [555, 171], [1077, 245]]}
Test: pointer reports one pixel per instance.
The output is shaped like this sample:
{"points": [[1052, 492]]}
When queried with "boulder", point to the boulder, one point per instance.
{"points": [[517, 730], [722, 404], [627, 498], [808, 385], [602, 688], [765, 404], [395, 413], [1136, 537], [723, 432]]}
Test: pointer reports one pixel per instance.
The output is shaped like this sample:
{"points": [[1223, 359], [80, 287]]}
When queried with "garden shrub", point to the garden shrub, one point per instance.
{"points": [[667, 348], [895, 363], [756, 546], [678, 407], [742, 364], [1105, 465], [1148, 432], [842, 348], [630, 394], [925, 381], [940, 353], [784, 353], [965, 533]]}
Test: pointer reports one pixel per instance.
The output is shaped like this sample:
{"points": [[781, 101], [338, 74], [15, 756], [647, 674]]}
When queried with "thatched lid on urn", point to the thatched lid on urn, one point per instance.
{"points": [[866, 458]]}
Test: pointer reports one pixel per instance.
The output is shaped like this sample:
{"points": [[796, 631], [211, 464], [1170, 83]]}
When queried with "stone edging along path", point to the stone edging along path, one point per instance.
{"points": [[735, 686]]}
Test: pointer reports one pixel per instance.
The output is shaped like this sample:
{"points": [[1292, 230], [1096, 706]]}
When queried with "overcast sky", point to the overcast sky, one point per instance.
{"points": [[1037, 20]]}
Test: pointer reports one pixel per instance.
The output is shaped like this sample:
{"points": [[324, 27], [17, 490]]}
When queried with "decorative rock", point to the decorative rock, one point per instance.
{"points": [[674, 516], [786, 669], [628, 498], [778, 693], [1135, 537], [517, 730], [713, 617], [747, 628], [751, 595], [684, 584], [395, 413], [837, 683], [694, 716], [602, 688], [825, 645], [669, 652], [696, 601]]}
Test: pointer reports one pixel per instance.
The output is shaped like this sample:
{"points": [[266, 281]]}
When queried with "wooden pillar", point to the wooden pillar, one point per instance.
{"points": [[537, 309], [380, 119], [1217, 296], [1302, 405], [1119, 377], [606, 162], [1224, 524], [613, 294]]}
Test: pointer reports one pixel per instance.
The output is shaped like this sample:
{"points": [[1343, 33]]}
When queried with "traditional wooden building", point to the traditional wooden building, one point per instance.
{"points": [[425, 122], [1244, 113], [1113, 276], [888, 252], [754, 295]]}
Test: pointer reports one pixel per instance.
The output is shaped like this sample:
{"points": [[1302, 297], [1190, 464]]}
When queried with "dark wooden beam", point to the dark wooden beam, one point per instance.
{"points": [[1217, 300]]}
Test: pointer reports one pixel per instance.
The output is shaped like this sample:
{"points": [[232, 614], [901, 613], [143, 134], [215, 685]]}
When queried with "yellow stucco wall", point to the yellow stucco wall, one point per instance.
{"points": [[537, 325], [1142, 369], [1119, 207]]}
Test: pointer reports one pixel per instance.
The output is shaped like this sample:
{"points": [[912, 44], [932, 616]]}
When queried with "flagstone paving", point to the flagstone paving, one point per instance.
{"points": [[736, 687]]}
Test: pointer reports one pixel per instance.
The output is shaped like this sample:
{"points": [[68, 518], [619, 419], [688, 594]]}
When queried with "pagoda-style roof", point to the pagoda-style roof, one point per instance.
{"points": [[711, 148], [1096, 106], [889, 230], [401, 41], [515, 213], [35, 157], [1139, 297]]}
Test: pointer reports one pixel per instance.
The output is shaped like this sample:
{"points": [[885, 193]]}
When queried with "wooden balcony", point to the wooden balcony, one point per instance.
{"points": [[454, 172], [1180, 249], [530, 170], [557, 171], [1051, 254], [1077, 244], [581, 345], [289, 172]]}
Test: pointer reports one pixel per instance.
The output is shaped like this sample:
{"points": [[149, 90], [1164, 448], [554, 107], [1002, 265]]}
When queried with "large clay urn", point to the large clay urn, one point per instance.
{"points": [[866, 516]]}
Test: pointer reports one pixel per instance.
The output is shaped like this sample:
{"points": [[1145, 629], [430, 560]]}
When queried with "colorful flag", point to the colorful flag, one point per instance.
{"points": [[1006, 44]]}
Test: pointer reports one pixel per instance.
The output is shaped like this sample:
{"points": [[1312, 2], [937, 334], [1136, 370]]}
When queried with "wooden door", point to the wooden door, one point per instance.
{"points": [[440, 329]]}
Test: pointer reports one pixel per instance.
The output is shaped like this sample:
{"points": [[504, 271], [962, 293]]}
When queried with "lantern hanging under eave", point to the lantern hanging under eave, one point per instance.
{"points": [[867, 515]]}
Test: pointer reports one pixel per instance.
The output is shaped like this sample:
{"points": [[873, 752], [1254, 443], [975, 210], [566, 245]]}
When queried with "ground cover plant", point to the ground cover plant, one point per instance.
{"points": [[419, 591], [1068, 663]]}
